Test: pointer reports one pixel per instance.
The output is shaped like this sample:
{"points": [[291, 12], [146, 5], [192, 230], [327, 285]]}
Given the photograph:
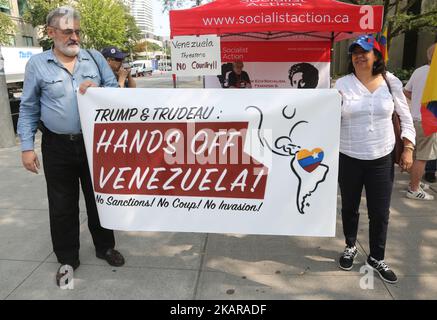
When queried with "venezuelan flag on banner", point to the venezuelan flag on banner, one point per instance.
{"points": [[429, 100]]}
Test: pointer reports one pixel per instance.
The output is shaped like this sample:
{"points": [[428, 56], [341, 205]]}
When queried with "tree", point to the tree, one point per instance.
{"points": [[103, 23], [168, 5], [7, 27], [399, 19], [36, 13], [146, 46]]}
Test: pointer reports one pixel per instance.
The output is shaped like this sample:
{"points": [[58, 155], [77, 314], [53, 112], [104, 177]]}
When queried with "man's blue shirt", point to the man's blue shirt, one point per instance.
{"points": [[49, 93]]}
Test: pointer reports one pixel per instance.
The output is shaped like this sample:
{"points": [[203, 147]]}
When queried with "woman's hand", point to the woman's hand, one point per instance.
{"points": [[406, 160]]}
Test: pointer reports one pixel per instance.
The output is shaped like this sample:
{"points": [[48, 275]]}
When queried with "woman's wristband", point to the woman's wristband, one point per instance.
{"points": [[409, 147]]}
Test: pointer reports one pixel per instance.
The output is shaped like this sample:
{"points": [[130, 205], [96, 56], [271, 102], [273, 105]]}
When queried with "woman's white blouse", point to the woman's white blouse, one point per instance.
{"points": [[366, 118]]}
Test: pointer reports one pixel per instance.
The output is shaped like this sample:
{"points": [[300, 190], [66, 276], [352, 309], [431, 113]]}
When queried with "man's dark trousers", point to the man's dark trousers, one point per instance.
{"points": [[431, 166], [65, 168]]}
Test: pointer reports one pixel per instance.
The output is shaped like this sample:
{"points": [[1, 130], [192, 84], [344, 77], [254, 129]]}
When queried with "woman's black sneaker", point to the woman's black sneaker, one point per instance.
{"points": [[346, 260], [383, 270]]}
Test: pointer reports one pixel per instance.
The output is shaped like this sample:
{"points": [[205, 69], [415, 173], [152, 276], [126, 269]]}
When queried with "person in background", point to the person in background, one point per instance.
{"points": [[367, 140], [426, 147], [430, 171], [115, 60], [51, 82], [239, 78]]}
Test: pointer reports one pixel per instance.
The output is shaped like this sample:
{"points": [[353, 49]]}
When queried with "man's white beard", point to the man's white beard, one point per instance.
{"points": [[69, 51]]}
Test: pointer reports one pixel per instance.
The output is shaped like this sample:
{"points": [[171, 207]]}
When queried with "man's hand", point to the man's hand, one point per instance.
{"points": [[30, 161], [85, 85]]}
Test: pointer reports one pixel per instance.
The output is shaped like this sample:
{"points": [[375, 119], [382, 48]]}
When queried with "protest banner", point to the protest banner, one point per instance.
{"points": [[196, 56], [218, 161]]}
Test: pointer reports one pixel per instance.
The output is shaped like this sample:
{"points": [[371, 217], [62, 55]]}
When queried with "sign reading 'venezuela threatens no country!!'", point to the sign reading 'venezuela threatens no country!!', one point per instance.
{"points": [[212, 160], [196, 55]]}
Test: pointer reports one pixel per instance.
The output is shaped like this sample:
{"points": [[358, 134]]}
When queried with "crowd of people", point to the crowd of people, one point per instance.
{"points": [[370, 96]]}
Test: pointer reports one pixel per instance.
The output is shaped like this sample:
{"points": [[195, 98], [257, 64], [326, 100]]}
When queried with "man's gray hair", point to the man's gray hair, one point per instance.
{"points": [[65, 11], [430, 52]]}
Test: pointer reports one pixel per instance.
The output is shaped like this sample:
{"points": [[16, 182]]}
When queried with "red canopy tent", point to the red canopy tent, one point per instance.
{"points": [[313, 23], [273, 19]]}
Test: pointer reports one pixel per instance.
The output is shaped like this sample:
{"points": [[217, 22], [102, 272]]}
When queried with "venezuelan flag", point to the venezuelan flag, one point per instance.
{"points": [[384, 45], [429, 100], [381, 37]]}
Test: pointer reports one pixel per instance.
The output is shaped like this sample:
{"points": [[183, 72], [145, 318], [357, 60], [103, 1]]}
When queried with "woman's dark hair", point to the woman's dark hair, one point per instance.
{"points": [[379, 66]]}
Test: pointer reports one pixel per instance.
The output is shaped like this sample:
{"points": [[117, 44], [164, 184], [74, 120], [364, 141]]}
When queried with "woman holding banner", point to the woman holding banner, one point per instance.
{"points": [[370, 96]]}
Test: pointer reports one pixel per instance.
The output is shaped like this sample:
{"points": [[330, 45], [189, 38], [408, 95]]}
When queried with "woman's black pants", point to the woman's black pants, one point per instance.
{"points": [[376, 176]]}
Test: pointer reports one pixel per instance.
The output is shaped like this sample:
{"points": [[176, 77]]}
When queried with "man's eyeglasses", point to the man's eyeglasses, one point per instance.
{"points": [[68, 32]]}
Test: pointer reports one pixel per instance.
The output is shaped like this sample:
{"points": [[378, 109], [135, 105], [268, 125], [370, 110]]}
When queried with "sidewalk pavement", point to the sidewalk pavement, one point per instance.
{"points": [[163, 265]]}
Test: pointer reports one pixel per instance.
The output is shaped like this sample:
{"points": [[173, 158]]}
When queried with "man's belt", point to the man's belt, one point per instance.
{"points": [[68, 137]]}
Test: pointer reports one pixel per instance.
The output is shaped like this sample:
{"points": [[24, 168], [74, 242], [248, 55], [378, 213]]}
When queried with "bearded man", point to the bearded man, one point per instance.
{"points": [[49, 101]]}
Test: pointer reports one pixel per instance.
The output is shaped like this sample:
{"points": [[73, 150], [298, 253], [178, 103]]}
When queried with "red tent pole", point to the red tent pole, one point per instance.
{"points": [[331, 58]]}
